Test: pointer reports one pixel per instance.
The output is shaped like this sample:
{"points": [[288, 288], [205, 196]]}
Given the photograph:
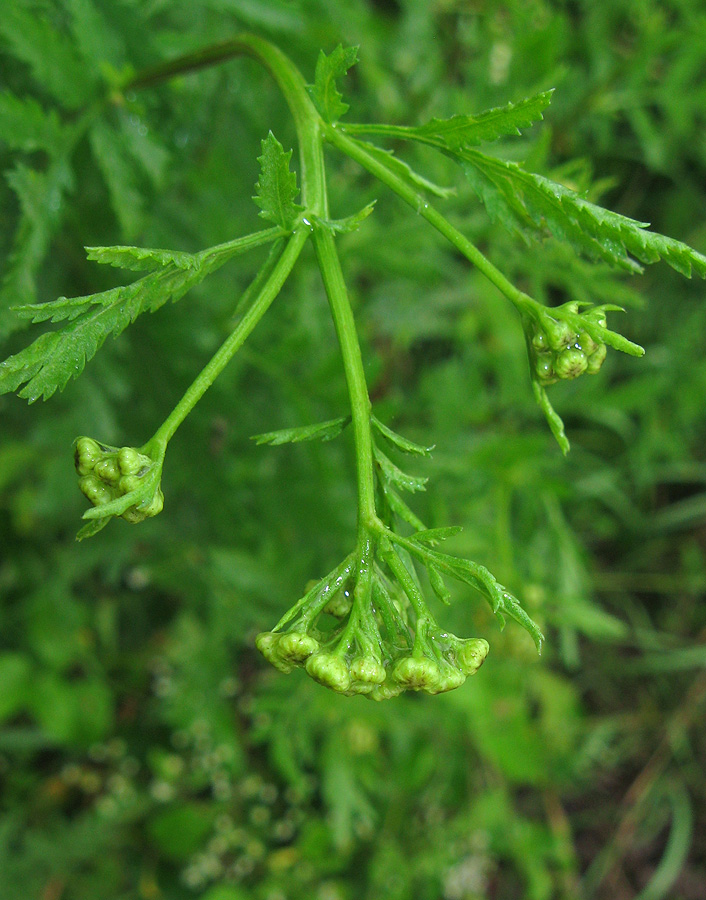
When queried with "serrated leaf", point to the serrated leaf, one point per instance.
{"points": [[51, 56], [401, 443], [277, 186], [393, 474], [433, 535], [322, 431], [139, 259], [461, 131], [323, 91], [529, 204], [24, 125], [402, 170], [48, 364], [349, 223], [502, 602]]}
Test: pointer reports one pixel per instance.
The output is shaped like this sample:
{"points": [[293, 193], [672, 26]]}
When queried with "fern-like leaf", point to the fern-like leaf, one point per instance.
{"points": [[48, 364], [529, 204], [460, 131], [277, 185], [326, 96]]}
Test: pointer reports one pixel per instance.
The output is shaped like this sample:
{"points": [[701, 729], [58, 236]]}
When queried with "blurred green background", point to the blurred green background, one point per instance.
{"points": [[146, 750]]}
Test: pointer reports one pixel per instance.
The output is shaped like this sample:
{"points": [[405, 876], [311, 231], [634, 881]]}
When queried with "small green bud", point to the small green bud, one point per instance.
{"points": [[368, 671], [559, 334], [107, 470], [416, 674], [329, 670], [267, 642], [596, 359], [586, 343], [340, 604], [130, 461], [296, 647], [544, 369], [385, 691], [87, 452], [471, 654], [129, 483], [570, 363], [94, 490], [539, 341], [450, 679]]}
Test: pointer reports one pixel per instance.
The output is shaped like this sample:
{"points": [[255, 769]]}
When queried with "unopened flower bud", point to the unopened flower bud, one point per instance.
{"points": [[471, 653], [329, 670], [296, 647], [416, 674], [107, 470], [570, 363], [130, 461], [559, 334], [369, 671], [596, 359]]}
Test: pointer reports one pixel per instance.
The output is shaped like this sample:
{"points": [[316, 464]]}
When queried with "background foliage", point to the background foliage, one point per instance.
{"points": [[146, 750]]}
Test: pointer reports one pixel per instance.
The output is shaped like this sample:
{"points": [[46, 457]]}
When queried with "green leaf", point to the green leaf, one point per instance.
{"points": [[51, 56], [349, 223], [434, 535], [528, 204], [401, 443], [139, 259], [460, 131], [394, 475], [324, 92], [553, 418], [322, 431], [51, 361], [404, 171], [277, 185], [24, 125]]}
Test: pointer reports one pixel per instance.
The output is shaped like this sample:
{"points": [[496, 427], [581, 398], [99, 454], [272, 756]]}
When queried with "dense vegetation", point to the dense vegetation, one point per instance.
{"points": [[146, 748]]}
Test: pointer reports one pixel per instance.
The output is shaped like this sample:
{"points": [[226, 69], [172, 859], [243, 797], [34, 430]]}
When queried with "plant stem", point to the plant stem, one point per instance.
{"points": [[357, 151], [344, 323], [234, 341]]}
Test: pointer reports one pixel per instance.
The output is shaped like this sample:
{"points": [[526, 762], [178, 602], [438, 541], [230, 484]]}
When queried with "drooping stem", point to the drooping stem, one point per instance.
{"points": [[357, 151], [344, 323], [234, 341]]}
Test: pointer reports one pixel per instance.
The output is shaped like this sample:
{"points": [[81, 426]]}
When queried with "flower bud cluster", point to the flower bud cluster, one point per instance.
{"points": [[107, 473], [352, 664], [558, 351]]}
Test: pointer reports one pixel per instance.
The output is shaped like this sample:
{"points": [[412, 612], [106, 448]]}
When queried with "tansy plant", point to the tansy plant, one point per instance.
{"points": [[366, 626]]}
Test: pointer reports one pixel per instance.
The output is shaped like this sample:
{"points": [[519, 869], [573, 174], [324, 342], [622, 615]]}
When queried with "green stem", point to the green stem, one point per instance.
{"points": [[344, 323], [233, 342], [419, 203]]}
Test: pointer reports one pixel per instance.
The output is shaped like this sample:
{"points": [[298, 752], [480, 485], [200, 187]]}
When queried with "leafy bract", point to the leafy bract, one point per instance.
{"points": [[277, 185], [392, 474], [349, 223], [528, 204], [326, 96], [461, 131], [398, 441], [322, 431], [51, 361]]}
